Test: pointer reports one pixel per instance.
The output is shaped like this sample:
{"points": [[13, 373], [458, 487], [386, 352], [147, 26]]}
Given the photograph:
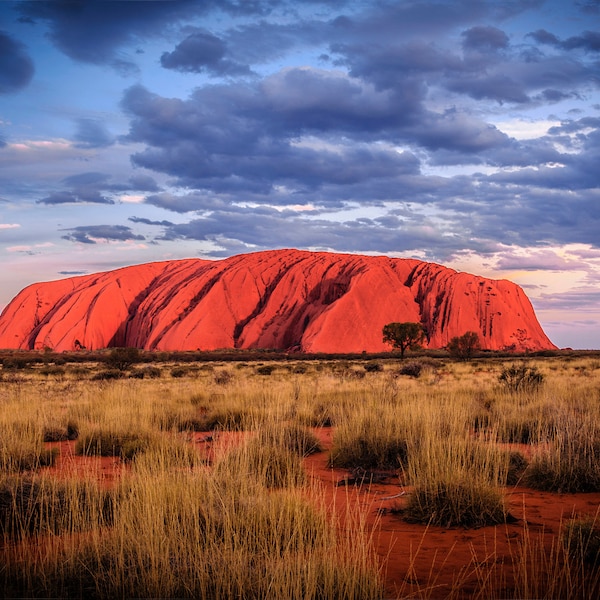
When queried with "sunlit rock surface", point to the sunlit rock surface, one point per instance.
{"points": [[280, 299]]}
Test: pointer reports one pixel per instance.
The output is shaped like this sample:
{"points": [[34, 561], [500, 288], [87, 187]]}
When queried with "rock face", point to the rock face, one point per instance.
{"points": [[280, 299]]}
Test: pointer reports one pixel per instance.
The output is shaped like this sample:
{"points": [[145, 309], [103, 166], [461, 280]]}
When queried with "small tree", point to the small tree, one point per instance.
{"points": [[403, 336], [464, 346], [122, 358]]}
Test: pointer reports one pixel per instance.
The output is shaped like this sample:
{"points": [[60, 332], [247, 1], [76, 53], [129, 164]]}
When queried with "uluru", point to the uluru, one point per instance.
{"points": [[313, 302]]}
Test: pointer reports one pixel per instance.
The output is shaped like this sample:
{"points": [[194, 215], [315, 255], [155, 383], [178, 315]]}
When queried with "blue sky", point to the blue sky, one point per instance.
{"points": [[465, 133]]}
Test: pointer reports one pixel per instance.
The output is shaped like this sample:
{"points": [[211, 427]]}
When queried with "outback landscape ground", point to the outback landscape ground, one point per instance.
{"points": [[274, 476]]}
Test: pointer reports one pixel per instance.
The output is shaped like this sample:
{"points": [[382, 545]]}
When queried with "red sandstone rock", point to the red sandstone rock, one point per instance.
{"points": [[281, 299]]}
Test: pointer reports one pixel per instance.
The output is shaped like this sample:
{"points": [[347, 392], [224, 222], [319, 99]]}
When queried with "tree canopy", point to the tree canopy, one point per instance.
{"points": [[403, 336], [464, 346]]}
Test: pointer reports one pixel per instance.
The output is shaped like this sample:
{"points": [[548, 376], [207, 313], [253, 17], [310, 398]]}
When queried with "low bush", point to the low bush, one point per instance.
{"points": [[521, 378], [265, 369], [148, 372], [411, 369], [122, 359], [373, 367], [107, 375]]}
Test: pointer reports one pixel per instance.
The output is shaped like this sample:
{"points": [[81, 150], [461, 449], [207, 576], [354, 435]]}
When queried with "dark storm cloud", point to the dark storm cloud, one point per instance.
{"points": [[88, 234], [92, 133], [77, 196], [202, 51], [484, 39], [145, 221], [95, 187], [245, 138], [91, 32], [588, 41], [143, 183], [16, 67], [269, 228]]}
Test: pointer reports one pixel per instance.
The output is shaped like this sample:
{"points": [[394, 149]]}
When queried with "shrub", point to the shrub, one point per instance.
{"points": [[464, 346], [521, 378], [178, 372], [122, 358], [107, 375], [53, 370], [148, 372], [411, 369], [15, 362], [265, 369], [373, 367]]}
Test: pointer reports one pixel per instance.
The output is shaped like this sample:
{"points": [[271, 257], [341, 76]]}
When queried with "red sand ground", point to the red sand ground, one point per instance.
{"points": [[414, 557]]}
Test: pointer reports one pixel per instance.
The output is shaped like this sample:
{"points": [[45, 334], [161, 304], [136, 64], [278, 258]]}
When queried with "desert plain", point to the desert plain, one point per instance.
{"points": [[260, 475]]}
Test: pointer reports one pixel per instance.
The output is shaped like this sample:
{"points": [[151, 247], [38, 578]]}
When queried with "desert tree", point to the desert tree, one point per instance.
{"points": [[464, 346], [403, 336]]}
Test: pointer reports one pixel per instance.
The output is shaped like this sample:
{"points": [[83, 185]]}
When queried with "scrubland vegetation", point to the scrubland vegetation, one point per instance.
{"points": [[213, 495]]}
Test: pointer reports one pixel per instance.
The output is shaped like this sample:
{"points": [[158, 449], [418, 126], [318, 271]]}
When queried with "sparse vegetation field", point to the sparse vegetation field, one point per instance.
{"points": [[279, 478]]}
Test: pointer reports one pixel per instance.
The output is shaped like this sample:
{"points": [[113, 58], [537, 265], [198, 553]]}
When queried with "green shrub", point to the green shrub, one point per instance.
{"points": [[122, 358]]}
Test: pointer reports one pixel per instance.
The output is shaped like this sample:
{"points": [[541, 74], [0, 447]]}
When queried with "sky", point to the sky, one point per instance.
{"points": [[461, 132]]}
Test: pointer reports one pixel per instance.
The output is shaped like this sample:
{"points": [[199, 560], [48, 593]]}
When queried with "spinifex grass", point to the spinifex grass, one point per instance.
{"points": [[205, 534], [570, 462], [456, 479]]}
